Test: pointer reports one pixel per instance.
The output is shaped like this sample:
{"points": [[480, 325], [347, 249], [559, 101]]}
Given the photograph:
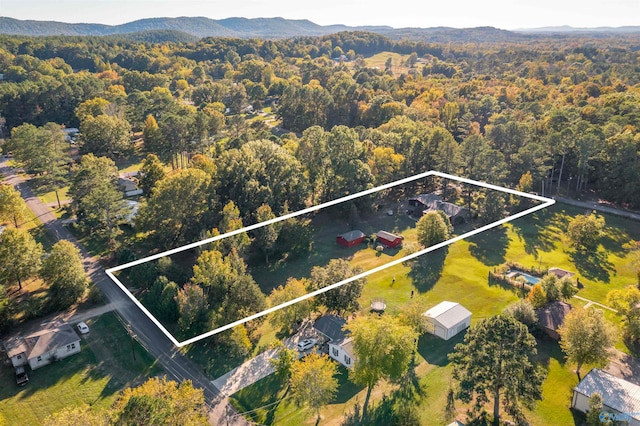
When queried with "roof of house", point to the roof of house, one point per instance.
{"points": [[16, 346], [346, 344], [352, 235], [434, 202], [41, 342], [49, 340], [551, 316], [561, 273], [331, 327], [387, 235], [427, 199], [451, 209], [448, 314], [618, 394]]}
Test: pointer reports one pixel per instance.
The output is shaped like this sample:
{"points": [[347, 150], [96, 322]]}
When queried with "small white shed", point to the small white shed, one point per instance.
{"points": [[447, 319], [620, 397]]}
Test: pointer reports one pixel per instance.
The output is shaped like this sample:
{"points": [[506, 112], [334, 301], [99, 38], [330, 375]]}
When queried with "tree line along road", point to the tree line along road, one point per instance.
{"points": [[177, 366]]}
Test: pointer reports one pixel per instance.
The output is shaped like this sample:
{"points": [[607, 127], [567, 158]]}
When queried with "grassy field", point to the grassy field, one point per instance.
{"points": [[398, 62], [460, 274], [94, 376]]}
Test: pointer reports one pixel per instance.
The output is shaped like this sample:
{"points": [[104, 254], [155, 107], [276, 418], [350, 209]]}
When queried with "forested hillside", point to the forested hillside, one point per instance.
{"points": [[565, 110]]}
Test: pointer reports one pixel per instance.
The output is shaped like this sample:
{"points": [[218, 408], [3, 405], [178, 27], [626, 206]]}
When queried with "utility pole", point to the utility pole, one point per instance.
{"points": [[132, 335]]}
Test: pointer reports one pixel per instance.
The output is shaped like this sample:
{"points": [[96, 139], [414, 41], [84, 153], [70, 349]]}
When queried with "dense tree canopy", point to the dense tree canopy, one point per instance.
{"points": [[383, 348], [495, 363], [64, 272]]}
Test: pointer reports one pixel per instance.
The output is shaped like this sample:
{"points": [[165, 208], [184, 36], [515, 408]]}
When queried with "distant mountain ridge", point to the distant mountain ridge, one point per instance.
{"points": [[570, 29], [273, 28], [195, 26]]}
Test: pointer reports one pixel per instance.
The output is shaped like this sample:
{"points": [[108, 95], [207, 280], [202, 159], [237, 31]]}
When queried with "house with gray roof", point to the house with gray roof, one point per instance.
{"points": [[619, 397], [340, 345], [43, 347], [425, 203]]}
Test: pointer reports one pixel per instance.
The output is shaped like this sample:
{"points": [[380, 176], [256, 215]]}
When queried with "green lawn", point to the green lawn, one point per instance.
{"points": [[50, 197], [94, 376], [460, 274]]}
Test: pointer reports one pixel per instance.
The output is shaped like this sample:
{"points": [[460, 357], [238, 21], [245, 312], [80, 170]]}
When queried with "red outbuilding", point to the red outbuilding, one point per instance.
{"points": [[351, 238], [389, 239]]}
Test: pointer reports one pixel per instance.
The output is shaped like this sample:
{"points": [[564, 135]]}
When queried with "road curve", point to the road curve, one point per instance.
{"points": [[147, 333]]}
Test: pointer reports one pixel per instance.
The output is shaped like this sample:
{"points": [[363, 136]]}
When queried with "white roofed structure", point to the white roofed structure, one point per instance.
{"points": [[447, 319], [619, 396]]}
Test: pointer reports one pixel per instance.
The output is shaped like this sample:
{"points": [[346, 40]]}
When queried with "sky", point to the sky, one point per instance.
{"points": [[505, 14]]}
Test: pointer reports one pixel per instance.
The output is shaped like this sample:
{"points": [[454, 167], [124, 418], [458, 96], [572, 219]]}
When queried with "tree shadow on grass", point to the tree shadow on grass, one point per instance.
{"points": [[346, 388], [490, 247], [548, 349], [427, 269], [436, 350], [593, 265], [614, 239], [533, 230]]}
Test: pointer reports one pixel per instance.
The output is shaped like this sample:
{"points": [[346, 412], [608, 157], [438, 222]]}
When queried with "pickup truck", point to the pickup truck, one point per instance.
{"points": [[21, 376]]}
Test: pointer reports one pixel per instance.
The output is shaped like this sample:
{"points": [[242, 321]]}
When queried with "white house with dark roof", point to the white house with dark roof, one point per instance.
{"points": [[619, 396], [340, 346], [43, 347], [342, 351], [447, 319]]}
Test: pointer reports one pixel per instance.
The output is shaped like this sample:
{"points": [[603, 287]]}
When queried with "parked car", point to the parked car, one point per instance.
{"points": [[21, 376], [306, 344], [83, 327]]}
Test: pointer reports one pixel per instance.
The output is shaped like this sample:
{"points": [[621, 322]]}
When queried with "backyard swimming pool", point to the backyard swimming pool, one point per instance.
{"points": [[514, 273]]}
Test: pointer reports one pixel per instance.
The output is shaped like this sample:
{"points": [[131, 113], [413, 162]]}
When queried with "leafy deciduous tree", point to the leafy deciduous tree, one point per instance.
{"points": [[586, 337], [585, 231], [20, 256], [432, 229], [161, 401], [313, 381], [383, 349], [343, 298], [63, 271], [12, 206], [286, 318]]}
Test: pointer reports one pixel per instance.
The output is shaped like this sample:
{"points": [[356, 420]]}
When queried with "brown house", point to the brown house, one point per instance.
{"points": [[551, 317]]}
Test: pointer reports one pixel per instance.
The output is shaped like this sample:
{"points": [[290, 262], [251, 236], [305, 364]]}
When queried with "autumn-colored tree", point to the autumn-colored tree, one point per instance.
{"points": [[313, 382], [12, 206], [585, 231], [161, 401], [287, 318], [537, 297], [627, 302]]}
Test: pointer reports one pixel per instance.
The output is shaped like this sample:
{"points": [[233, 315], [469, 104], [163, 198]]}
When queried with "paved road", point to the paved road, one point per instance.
{"points": [[592, 205], [147, 333], [259, 366]]}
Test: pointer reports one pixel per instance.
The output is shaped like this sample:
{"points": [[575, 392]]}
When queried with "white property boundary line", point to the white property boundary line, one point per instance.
{"points": [[546, 202]]}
